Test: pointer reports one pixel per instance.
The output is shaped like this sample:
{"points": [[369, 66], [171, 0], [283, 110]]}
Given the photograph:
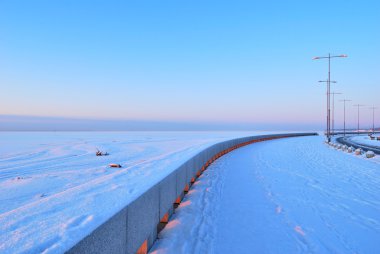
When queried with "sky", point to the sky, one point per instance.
{"points": [[216, 64]]}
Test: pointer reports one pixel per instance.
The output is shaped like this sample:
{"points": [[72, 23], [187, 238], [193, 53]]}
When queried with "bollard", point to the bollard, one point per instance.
{"points": [[358, 151], [370, 154]]}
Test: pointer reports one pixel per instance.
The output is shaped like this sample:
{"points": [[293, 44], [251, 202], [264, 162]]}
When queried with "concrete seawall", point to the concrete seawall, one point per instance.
{"points": [[135, 227]]}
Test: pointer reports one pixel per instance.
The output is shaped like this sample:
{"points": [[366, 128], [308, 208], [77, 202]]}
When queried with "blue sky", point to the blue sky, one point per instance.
{"points": [[216, 62]]}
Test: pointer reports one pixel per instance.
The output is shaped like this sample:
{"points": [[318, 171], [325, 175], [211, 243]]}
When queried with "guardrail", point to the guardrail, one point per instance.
{"points": [[353, 132], [345, 141], [134, 229]]}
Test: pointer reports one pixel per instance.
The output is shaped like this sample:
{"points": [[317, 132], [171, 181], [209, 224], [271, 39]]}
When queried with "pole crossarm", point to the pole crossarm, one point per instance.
{"points": [[324, 57], [326, 81]]}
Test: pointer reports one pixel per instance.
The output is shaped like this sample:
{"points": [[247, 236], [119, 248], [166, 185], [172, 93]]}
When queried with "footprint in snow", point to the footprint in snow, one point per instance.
{"points": [[79, 221], [115, 186], [299, 230], [47, 245]]}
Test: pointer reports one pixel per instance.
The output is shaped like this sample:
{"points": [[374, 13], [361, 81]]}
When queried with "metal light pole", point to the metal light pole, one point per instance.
{"points": [[358, 105], [373, 119], [328, 107], [333, 110], [328, 90], [344, 116]]}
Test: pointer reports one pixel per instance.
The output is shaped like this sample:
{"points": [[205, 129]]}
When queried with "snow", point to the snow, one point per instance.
{"points": [[54, 190], [295, 195]]}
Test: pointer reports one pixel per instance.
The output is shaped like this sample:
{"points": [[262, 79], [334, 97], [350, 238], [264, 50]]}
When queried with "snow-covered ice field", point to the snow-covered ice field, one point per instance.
{"points": [[54, 190], [294, 195]]}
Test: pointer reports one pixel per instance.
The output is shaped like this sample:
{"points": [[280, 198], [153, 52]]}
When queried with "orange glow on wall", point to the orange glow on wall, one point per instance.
{"points": [[143, 248], [165, 219], [178, 200]]}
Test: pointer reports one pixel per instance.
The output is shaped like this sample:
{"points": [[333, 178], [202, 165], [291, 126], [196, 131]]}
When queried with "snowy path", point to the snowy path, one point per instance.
{"points": [[292, 195]]}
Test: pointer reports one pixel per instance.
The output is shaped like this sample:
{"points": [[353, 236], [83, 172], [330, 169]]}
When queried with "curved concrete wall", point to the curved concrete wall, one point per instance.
{"points": [[134, 228]]}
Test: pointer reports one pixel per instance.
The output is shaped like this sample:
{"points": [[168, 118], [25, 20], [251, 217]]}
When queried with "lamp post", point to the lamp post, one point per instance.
{"points": [[328, 89], [358, 105], [333, 110], [328, 107], [373, 119], [344, 116]]}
